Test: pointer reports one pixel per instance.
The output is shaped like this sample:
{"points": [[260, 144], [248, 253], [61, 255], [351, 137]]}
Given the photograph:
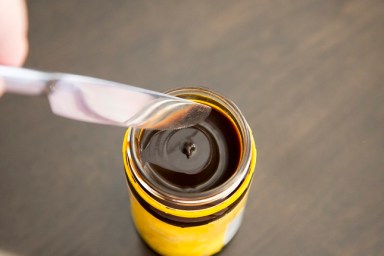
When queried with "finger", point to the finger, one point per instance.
{"points": [[13, 32]]}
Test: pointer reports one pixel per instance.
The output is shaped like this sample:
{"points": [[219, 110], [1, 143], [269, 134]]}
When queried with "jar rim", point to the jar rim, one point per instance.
{"points": [[216, 194]]}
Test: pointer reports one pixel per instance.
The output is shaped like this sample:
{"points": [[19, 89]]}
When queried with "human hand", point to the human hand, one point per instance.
{"points": [[13, 34]]}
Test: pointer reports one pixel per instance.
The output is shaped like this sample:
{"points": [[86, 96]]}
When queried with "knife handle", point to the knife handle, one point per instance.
{"points": [[24, 81]]}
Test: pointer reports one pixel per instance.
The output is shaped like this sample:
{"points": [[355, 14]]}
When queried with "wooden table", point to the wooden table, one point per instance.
{"points": [[307, 75]]}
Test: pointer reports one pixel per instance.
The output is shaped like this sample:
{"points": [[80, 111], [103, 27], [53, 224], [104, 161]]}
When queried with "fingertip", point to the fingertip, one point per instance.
{"points": [[14, 54], [17, 54], [13, 32]]}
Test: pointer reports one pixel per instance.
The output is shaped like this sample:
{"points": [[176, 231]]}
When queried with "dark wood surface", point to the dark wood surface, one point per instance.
{"points": [[307, 75]]}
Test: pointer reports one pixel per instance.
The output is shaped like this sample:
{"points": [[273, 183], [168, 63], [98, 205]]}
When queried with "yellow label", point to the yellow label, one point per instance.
{"points": [[168, 239]]}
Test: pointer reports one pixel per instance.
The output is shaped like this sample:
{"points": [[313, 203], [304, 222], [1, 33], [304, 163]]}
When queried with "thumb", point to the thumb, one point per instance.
{"points": [[13, 32]]}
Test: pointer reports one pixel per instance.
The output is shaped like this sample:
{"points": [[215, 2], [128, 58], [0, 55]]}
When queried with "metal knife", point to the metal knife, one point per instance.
{"points": [[105, 102]]}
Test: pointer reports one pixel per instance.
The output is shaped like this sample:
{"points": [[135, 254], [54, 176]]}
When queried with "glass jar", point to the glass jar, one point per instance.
{"points": [[188, 187]]}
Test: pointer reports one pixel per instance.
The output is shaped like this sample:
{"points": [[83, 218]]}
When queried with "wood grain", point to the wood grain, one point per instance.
{"points": [[308, 76]]}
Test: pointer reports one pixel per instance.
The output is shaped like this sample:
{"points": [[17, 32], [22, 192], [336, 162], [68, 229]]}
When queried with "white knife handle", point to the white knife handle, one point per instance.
{"points": [[24, 81]]}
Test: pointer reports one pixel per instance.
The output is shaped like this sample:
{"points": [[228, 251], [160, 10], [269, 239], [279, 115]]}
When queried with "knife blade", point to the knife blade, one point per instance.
{"points": [[105, 102]]}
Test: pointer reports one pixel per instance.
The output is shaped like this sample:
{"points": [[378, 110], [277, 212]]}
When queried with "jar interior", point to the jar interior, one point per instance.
{"points": [[191, 160]]}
